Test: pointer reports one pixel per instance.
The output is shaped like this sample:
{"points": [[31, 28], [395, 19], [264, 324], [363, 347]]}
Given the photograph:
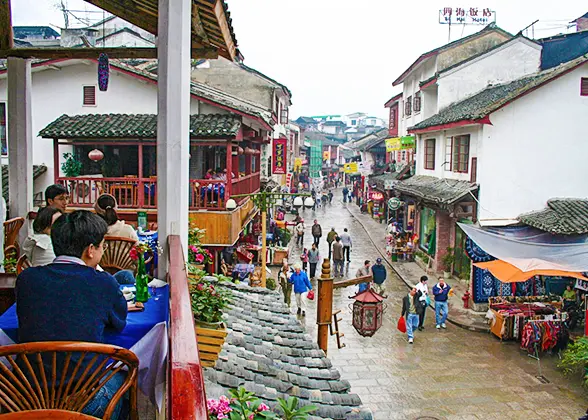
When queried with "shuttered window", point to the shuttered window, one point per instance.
{"points": [[417, 102], [474, 172], [461, 153], [584, 86], [408, 107], [89, 95], [430, 154], [284, 116]]}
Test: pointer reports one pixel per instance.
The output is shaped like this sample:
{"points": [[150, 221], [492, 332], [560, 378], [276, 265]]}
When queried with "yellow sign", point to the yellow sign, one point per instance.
{"points": [[297, 164], [350, 168], [326, 155], [393, 144]]}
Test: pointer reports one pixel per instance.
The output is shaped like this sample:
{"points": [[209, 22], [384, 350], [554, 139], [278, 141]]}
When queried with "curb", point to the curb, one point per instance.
{"points": [[409, 285]]}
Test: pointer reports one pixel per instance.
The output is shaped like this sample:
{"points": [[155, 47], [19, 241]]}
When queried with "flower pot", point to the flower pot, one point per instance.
{"points": [[394, 257], [446, 275], [211, 337]]}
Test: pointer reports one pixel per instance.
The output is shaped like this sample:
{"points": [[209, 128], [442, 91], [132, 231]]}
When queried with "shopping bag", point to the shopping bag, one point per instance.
{"points": [[310, 295], [428, 300], [401, 325]]}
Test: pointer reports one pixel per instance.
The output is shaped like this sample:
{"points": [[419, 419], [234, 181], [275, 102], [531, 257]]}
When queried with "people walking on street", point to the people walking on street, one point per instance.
{"points": [[379, 277], [338, 257], [345, 192], [284, 278], [330, 239], [410, 304], [301, 285], [304, 259], [300, 233], [363, 272], [423, 299], [317, 232], [347, 244], [313, 259], [330, 196], [441, 291]]}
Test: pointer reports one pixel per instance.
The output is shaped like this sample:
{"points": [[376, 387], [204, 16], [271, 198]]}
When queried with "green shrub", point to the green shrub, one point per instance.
{"points": [[271, 283], [575, 359]]}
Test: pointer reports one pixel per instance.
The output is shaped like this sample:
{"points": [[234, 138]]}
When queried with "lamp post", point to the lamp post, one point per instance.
{"points": [[263, 200]]}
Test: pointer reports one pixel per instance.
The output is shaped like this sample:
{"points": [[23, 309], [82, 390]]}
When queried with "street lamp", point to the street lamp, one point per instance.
{"points": [[231, 204], [309, 202], [297, 203]]}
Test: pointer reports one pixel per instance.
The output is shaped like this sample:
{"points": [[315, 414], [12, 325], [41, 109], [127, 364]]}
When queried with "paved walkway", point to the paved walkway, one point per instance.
{"points": [[446, 374]]}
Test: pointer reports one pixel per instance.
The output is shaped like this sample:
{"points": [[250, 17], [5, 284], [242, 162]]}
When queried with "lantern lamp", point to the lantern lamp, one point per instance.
{"points": [[96, 155], [309, 202], [368, 311], [231, 204], [103, 72], [297, 202]]}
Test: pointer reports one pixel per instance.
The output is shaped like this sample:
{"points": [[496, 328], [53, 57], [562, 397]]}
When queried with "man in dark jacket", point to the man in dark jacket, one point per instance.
{"points": [[338, 257], [441, 292], [330, 239], [317, 232], [410, 309], [379, 276]]}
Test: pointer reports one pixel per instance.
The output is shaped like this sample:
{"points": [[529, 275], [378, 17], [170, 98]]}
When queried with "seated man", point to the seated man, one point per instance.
{"points": [[69, 300], [57, 196]]}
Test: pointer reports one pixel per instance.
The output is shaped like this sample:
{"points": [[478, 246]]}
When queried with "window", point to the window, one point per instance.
{"points": [[430, 154], [584, 86], [353, 122], [89, 95], [417, 102], [448, 152], [427, 229], [3, 142], [461, 153], [474, 172], [408, 106], [284, 116]]}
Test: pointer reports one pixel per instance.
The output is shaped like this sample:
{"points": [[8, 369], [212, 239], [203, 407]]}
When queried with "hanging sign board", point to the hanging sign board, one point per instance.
{"points": [[466, 16], [394, 203], [392, 144], [279, 156], [350, 168]]}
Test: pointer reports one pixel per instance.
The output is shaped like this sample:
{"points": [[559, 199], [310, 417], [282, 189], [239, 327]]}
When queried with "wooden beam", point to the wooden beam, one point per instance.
{"points": [[197, 27], [93, 53], [351, 282], [225, 29], [128, 11], [6, 40]]}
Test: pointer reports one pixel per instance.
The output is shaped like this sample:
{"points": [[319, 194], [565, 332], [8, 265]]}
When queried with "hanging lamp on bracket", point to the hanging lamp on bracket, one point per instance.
{"points": [[103, 72]]}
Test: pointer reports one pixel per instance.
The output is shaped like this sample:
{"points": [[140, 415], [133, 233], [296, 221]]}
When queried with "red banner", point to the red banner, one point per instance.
{"points": [[279, 156]]}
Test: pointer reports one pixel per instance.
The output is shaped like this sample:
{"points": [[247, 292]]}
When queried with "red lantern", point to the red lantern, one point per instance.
{"points": [[368, 311], [240, 150], [96, 155], [257, 152], [249, 151]]}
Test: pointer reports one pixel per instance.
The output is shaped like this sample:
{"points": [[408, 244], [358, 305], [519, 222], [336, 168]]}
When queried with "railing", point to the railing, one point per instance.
{"points": [[141, 193], [185, 387]]}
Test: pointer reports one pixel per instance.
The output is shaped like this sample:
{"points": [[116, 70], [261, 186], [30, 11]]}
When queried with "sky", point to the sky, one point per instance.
{"points": [[341, 56]]}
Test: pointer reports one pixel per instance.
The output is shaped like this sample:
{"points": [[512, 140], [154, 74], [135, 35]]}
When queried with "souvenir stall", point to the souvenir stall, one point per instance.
{"points": [[377, 208]]}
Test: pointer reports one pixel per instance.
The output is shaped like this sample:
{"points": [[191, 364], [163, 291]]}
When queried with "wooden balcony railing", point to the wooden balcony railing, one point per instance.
{"points": [[141, 193]]}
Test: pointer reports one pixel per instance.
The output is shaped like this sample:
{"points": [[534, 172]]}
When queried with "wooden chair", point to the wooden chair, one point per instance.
{"points": [[22, 264], [11, 229], [39, 385], [116, 255]]}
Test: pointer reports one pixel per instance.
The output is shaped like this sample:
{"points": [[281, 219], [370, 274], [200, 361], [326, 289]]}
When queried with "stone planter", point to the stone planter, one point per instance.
{"points": [[211, 337]]}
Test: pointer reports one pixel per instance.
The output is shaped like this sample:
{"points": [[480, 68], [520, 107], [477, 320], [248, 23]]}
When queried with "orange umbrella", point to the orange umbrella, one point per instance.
{"points": [[508, 273]]}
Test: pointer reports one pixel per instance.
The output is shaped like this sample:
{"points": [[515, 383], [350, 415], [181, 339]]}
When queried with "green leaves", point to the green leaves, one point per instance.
{"points": [[71, 167], [575, 358], [291, 412], [208, 300]]}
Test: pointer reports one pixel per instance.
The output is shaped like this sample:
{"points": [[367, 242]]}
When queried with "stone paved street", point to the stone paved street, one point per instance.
{"points": [[448, 374]]}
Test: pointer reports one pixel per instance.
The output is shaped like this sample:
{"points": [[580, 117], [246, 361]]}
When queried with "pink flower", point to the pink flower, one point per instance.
{"points": [[200, 286], [193, 248], [263, 407], [134, 254], [251, 416], [199, 258]]}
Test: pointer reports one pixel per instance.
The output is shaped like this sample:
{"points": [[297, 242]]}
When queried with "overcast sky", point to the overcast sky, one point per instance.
{"points": [[341, 56]]}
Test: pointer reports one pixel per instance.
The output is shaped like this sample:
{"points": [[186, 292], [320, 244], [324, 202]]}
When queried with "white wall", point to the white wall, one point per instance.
{"points": [[410, 86], [535, 150], [509, 62]]}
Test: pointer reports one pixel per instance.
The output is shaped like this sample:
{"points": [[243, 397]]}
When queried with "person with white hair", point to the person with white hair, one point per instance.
{"points": [[301, 285]]}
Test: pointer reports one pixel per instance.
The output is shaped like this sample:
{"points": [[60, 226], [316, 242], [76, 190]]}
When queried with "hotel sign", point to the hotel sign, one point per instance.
{"points": [[467, 16], [279, 156]]}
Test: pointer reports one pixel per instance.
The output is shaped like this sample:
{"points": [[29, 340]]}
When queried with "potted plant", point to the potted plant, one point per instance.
{"points": [[71, 167], [575, 359], [447, 260], [208, 301]]}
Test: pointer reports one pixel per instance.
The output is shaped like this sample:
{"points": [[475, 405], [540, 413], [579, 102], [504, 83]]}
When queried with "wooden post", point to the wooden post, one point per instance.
{"points": [[263, 248], [229, 167], [324, 310]]}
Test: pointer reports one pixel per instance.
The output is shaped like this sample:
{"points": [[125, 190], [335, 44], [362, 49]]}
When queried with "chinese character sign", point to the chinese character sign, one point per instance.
{"points": [[467, 15], [392, 144], [279, 156]]}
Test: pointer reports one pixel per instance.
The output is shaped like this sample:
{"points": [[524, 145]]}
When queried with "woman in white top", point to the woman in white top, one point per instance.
{"points": [[38, 247], [105, 207], [424, 289]]}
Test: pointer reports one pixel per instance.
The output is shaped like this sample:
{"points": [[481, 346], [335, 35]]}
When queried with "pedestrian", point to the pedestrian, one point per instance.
{"points": [[330, 197], [304, 259], [284, 278], [379, 277], [330, 239], [410, 310], [345, 192], [301, 284], [338, 257], [364, 272], [317, 232], [423, 299], [314, 197], [347, 244], [300, 233], [441, 291], [313, 259]]}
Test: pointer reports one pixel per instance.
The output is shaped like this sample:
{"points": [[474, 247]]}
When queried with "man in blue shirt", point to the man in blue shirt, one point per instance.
{"points": [[301, 285], [379, 276], [68, 300], [441, 292]]}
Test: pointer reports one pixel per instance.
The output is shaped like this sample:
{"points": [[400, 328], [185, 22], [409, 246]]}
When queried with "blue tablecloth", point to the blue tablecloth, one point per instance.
{"points": [[138, 323]]}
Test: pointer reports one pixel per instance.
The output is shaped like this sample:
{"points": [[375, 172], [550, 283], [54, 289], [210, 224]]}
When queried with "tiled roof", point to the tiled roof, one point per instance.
{"points": [[37, 171], [563, 216], [130, 126], [268, 352], [369, 140], [492, 98], [435, 190]]}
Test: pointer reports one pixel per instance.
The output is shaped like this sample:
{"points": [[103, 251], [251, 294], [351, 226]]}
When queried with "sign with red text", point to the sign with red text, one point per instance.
{"points": [[467, 16], [279, 156]]}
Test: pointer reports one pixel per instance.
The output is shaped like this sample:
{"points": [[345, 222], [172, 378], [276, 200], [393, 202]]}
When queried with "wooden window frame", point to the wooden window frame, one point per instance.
{"points": [[417, 102], [284, 115], [584, 86], [429, 164], [474, 171], [408, 107], [448, 164], [460, 154], [84, 87]]}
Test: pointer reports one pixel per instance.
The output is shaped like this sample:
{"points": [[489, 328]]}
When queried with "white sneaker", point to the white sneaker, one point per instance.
{"points": [[438, 326], [443, 326], [410, 341]]}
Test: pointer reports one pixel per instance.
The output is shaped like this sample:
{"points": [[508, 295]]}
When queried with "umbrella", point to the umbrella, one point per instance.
{"points": [[508, 273]]}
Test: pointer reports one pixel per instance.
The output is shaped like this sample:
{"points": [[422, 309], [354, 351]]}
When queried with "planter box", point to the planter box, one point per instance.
{"points": [[210, 343]]}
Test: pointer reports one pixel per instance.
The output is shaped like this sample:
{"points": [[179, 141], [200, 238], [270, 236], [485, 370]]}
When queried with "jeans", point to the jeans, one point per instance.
{"points": [[316, 240], [300, 240], [338, 267], [412, 323], [124, 277], [422, 317], [347, 250], [97, 405], [440, 307], [313, 269], [379, 288]]}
